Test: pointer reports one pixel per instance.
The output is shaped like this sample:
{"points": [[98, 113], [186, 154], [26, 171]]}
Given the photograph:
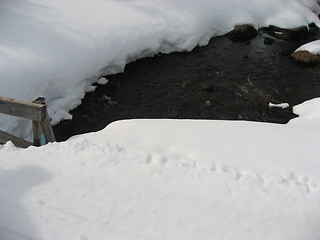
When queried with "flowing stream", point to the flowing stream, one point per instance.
{"points": [[223, 80]]}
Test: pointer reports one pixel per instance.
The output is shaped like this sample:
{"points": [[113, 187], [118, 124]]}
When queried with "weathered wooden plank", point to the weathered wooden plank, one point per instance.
{"points": [[37, 112], [18, 142], [32, 111], [37, 133], [42, 131], [47, 130]]}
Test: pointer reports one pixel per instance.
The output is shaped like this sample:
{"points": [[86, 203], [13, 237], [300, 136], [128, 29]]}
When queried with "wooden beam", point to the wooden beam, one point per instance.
{"points": [[35, 111], [18, 142], [32, 111], [37, 133], [42, 130], [47, 129]]}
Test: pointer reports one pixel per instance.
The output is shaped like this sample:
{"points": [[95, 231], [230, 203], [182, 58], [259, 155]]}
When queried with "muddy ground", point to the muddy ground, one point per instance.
{"points": [[223, 80]]}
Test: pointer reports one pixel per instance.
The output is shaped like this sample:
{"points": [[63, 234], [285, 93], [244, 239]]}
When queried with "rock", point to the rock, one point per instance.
{"points": [[288, 34], [268, 41], [306, 57], [242, 33], [185, 83], [313, 29], [172, 114], [208, 86]]}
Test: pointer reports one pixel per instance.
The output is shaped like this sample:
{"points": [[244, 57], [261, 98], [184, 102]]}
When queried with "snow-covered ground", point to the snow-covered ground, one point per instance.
{"points": [[148, 179], [167, 179], [57, 49]]}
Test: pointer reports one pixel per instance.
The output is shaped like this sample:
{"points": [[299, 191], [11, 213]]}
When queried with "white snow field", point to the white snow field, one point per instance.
{"points": [[148, 179], [57, 49], [167, 179]]}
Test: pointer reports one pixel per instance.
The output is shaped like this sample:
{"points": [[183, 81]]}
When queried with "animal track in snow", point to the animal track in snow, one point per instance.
{"points": [[156, 159], [291, 179]]}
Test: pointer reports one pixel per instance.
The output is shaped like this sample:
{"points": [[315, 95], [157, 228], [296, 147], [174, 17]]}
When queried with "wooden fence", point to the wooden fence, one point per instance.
{"points": [[35, 111]]}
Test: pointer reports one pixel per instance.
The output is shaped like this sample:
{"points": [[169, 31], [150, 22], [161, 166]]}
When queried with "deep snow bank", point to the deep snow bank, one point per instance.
{"points": [[168, 179], [165, 179], [57, 49]]}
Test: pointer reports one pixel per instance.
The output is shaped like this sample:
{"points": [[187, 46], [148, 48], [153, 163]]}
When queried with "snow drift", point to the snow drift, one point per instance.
{"points": [[165, 179]]}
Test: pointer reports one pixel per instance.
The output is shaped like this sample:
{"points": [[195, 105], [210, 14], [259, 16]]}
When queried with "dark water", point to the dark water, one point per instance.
{"points": [[223, 80]]}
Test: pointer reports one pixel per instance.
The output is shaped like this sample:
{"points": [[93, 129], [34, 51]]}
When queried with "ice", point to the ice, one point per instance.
{"points": [[102, 81], [280, 105]]}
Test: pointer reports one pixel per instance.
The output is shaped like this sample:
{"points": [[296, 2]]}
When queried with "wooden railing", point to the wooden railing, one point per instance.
{"points": [[35, 111]]}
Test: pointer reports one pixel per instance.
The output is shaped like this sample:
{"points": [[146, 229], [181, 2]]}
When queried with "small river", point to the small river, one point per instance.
{"points": [[224, 80]]}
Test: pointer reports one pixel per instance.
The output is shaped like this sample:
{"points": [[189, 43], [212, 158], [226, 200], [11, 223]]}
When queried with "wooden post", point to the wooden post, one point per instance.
{"points": [[42, 130], [47, 129], [35, 111], [37, 132]]}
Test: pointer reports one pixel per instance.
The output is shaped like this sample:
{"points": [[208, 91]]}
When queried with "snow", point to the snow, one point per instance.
{"points": [[280, 105], [58, 49], [309, 114], [148, 179], [312, 47], [102, 81], [168, 179], [165, 179]]}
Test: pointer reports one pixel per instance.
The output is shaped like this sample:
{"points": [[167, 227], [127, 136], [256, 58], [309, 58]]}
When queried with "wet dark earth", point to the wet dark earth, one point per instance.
{"points": [[224, 80]]}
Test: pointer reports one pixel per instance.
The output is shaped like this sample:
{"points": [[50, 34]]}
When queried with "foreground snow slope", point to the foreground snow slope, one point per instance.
{"points": [[165, 179], [57, 49]]}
